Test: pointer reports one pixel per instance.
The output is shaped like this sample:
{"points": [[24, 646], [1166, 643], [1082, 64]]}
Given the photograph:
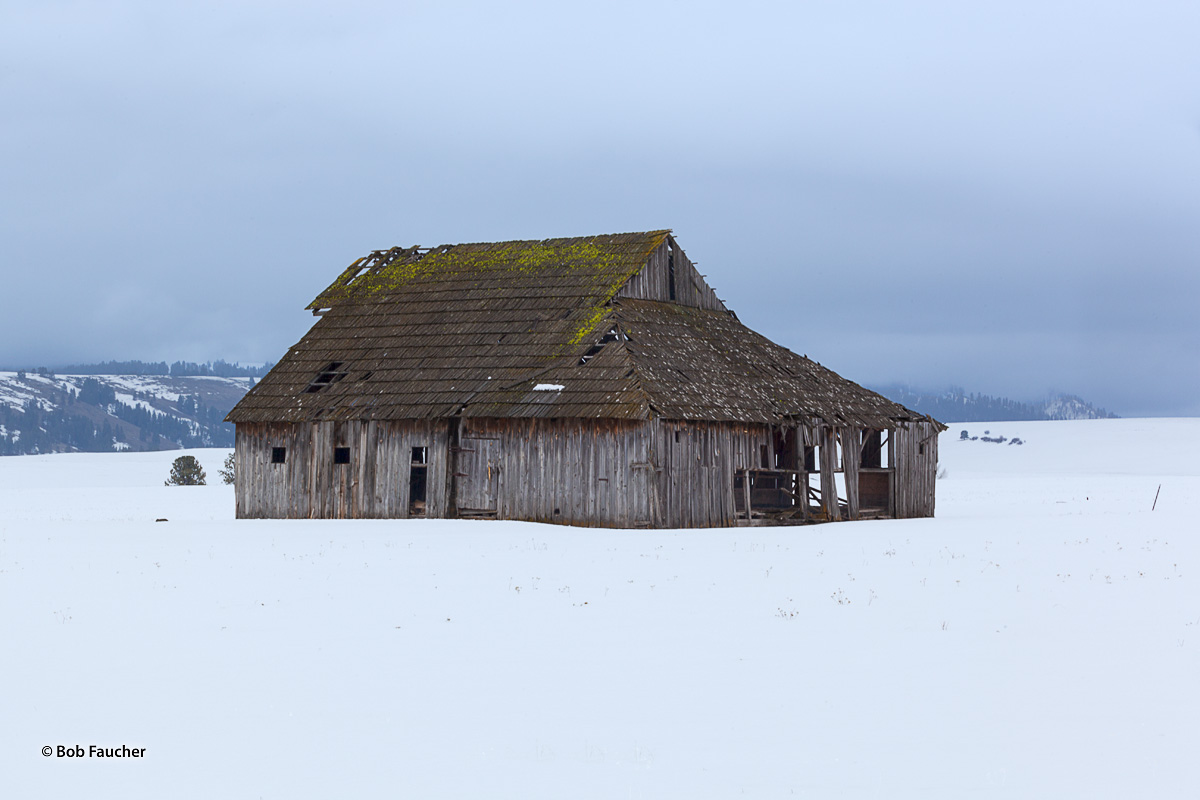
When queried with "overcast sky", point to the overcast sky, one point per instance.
{"points": [[1005, 197]]}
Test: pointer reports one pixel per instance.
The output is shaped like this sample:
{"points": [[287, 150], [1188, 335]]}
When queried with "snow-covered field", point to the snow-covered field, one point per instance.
{"points": [[1039, 638]]}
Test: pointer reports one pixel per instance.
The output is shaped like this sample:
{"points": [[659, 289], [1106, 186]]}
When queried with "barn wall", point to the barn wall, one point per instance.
{"points": [[266, 490], [579, 472], [606, 473], [698, 461], [914, 447], [653, 281], [374, 483]]}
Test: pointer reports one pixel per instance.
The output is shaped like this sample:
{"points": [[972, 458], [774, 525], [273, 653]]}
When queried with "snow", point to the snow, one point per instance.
{"points": [[14, 392], [1039, 638], [10, 393], [549, 387], [146, 384], [133, 402]]}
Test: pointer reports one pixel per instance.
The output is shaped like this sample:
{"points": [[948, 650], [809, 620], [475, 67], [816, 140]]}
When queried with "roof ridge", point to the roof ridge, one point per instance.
{"points": [[602, 264], [633, 373]]}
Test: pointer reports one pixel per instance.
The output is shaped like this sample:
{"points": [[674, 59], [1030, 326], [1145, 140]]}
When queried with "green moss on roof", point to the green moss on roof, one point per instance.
{"points": [[595, 267]]}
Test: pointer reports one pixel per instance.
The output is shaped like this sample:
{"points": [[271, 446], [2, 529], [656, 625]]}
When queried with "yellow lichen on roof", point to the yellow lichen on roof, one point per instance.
{"points": [[595, 267]]}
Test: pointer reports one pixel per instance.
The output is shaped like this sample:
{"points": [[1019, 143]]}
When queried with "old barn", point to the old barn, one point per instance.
{"points": [[588, 381]]}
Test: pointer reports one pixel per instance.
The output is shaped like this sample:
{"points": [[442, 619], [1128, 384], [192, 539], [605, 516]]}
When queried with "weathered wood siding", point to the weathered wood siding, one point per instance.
{"points": [[271, 490], [375, 482], [696, 463], [579, 472], [914, 448], [653, 282], [607, 473]]}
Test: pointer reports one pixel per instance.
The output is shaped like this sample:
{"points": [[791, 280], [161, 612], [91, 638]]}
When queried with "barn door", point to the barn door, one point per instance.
{"points": [[477, 476]]}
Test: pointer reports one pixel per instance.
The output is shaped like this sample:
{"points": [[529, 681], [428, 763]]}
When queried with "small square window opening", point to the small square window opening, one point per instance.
{"points": [[341, 455], [278, 455]]}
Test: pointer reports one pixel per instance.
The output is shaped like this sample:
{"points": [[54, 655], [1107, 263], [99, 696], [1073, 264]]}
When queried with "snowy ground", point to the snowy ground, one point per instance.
{"points": [[1039, 638]]}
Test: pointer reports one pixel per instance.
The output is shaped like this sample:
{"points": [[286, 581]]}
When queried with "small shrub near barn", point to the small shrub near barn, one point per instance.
{"points": [[228, 470]]}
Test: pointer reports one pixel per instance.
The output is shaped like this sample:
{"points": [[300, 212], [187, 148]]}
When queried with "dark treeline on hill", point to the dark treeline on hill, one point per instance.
{"points": [[219, 369], [956, 405]]}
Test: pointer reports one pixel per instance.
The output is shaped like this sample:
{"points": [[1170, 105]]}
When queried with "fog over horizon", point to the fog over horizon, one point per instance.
{"points": [[1003, 199]]}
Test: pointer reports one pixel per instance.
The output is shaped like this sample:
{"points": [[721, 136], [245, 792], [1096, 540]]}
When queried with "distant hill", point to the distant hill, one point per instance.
{"points": [[156, 406], [955, 405], [179, 369], [44, 412]]}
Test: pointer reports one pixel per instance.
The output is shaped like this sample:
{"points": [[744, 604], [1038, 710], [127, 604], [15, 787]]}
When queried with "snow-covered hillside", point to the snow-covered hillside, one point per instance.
{"points": [[1039, 638], [1069, 406], [955, 405], [43, 413]]}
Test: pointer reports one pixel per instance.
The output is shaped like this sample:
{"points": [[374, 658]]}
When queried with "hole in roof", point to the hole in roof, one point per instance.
{"points": [[595, 349], [330, 374]]}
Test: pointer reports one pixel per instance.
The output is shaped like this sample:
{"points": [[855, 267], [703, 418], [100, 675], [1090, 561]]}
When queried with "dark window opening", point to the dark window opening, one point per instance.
{"points": [[785, 448], [872, 449], [676, 437], [810, 459], [764, 457], [341, 455], [278, 455], [331, 374], [416, 488], [671, 276], [418, 455], [921, 449]]}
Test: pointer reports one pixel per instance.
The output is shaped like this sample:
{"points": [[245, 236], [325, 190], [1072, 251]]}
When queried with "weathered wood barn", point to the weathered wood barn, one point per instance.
{"points": [[588, 381]]}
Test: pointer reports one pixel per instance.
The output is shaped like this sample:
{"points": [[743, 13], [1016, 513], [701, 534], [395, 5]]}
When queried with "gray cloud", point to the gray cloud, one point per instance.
{"points": [[1000, 198]]}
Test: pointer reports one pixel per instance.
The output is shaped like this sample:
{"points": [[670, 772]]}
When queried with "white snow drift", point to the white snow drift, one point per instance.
{"points": [[1039, 638]]}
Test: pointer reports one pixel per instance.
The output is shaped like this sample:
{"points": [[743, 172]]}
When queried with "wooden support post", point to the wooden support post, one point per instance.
{"points": [[801, 474], [746, 490], [891, 461], [851, 454], [828, 458]]}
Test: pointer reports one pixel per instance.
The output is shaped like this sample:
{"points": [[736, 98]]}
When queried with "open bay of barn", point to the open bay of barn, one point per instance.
{"points": [[968, 652]]}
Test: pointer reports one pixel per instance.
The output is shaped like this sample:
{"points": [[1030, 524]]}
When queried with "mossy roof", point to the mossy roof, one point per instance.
{"points": [[474, 329], [589, 270]]}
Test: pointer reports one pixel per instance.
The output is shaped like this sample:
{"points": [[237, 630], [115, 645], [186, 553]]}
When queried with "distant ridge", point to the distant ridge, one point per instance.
{"points": [[955, 405], [178, 369], [46, 412]]}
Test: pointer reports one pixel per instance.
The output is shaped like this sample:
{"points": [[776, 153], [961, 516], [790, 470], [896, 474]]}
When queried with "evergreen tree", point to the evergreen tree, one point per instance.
{"points": [[186, 471], [228, 472]]}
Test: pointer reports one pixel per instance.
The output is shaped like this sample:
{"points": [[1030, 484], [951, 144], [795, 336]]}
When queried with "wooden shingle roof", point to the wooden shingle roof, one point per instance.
{"points": [[536, 329]]}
